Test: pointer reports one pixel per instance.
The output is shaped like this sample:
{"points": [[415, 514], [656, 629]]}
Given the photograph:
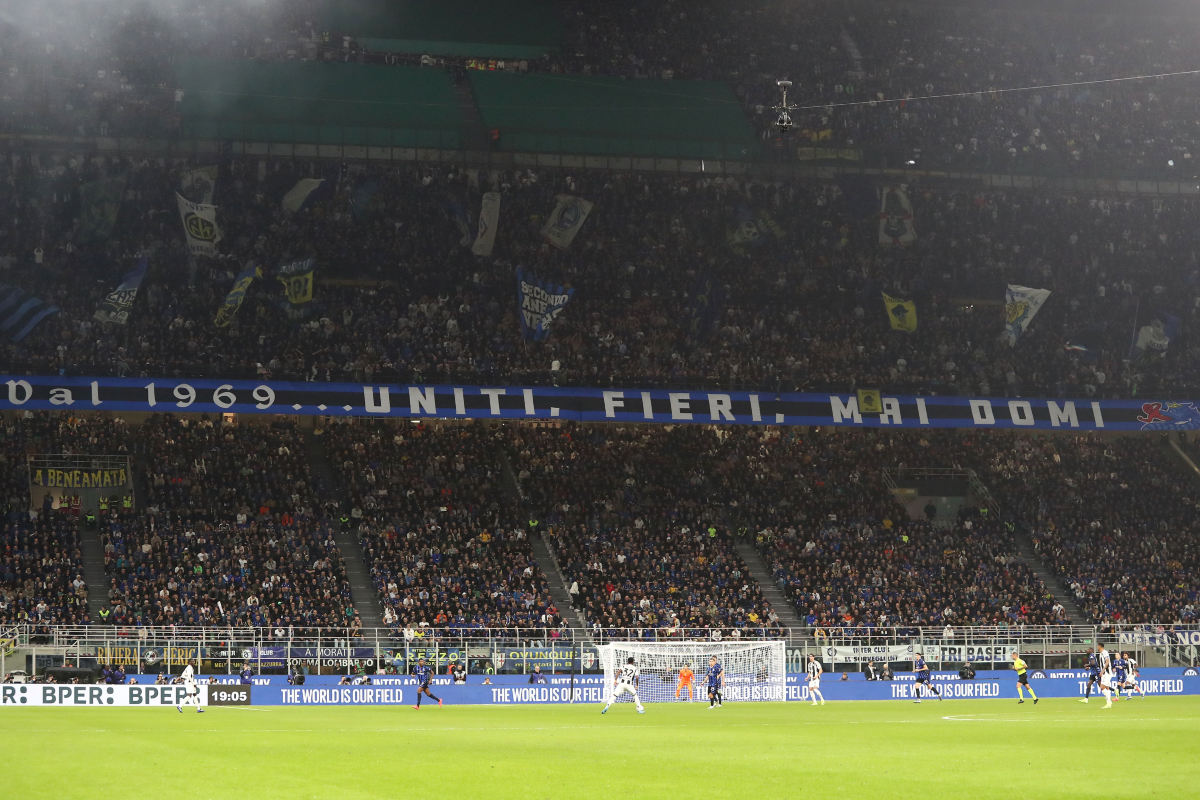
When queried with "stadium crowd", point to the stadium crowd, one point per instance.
{"points": [[857, 69], [231, 533], [847, 553], [41, 567], [798, 305], [644, 521], [237, 530], [444, 543], [1111, 515], [634, 532]]}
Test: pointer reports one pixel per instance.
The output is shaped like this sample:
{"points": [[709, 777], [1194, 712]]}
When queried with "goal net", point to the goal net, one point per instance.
{"points": [[753, 671]]}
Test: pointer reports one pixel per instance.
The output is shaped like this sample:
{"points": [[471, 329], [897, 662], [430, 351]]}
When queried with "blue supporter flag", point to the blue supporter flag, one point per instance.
{"points": [[20, 312]]}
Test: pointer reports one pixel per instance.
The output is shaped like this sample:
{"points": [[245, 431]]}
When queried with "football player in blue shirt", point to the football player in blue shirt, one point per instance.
{"points": [[1093, 668], [921, 669], [716, 682], [423, 673], [1119, 665]]}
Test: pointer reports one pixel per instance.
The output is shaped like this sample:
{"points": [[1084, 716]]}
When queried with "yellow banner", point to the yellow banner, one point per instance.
{"points": [[79, 478], [126, 655], [297, 280], [233, 301], [901, 313], [869, 401]]}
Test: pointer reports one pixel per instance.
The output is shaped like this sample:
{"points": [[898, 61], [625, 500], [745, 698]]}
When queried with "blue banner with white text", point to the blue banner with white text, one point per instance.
{"points": [[203, 395]]}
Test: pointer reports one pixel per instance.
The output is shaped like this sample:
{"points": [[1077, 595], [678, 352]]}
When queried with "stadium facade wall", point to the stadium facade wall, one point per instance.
{"points": [[187, 147], [588, 405]]}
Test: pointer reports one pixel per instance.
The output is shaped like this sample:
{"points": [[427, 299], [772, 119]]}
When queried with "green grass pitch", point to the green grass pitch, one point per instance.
{"points": [[975, 749]]}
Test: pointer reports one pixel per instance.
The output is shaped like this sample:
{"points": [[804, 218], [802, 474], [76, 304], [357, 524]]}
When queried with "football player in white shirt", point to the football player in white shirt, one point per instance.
{"points": [[1107, 686], [1105, 659], [1131, 676], [191, 688], [814, 680], [626, 683]]}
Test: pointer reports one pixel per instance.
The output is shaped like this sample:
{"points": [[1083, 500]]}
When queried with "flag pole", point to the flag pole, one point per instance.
{"points": [[1133, 340]]}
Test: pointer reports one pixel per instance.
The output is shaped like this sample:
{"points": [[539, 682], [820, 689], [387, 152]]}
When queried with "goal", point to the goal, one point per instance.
{"points": [[754, 671]]}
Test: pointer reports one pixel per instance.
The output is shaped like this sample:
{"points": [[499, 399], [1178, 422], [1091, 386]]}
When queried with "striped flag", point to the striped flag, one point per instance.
{"points": [[20, 312]]}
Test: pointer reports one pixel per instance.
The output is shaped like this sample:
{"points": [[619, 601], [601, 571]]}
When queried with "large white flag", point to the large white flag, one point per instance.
{"points": [[200, 226], [197, 185], [294, 199], [489, 216], [566, 220], [1021, 304]]}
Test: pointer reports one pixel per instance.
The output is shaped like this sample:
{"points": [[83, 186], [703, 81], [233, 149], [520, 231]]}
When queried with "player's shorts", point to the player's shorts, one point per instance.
{"points": [[1023, 678], [712, 687], [1106, 681], [814, 685], [923, 677], [1120, 679], [685, 682], [1094, 677], [624, 688], [423, 687]]}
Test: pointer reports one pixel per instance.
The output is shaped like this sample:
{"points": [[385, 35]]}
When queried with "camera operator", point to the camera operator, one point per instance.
{"points": [[967, 673]]}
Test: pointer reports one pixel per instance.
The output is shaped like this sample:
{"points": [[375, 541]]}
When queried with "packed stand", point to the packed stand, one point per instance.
{"points": [[444, 544], [858, 71], [846, 552], [41, 568], [1113, 516], [801, 310], [232, 534], [634, 531]]}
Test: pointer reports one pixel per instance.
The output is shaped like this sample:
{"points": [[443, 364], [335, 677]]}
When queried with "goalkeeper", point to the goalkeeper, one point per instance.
{"points": [[716, 682], [686, 677]]}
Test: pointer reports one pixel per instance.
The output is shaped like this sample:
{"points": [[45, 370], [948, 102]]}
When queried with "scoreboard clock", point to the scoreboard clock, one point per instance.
{"points": [[221, 695]]}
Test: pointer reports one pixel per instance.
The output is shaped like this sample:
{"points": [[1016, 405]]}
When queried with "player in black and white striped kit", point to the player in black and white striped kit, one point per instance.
{"points": [[191, 688], [626, 683], [814, 680]]}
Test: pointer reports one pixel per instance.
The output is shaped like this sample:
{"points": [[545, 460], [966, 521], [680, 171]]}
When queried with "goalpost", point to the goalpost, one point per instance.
{"points": [[754, 671]]}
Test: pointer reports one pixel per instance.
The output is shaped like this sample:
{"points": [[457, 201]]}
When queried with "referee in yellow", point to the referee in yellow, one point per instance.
{"points": [[1022, 679]]}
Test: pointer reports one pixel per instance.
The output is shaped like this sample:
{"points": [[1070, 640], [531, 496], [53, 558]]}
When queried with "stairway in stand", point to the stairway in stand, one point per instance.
{"points": [[1062, 593], [362, 590], [559, 590], [760, 573], [93, 570]]}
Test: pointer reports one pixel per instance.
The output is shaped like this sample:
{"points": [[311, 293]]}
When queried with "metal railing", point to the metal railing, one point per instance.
{"points": [[517, 651], [977, 487]]}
